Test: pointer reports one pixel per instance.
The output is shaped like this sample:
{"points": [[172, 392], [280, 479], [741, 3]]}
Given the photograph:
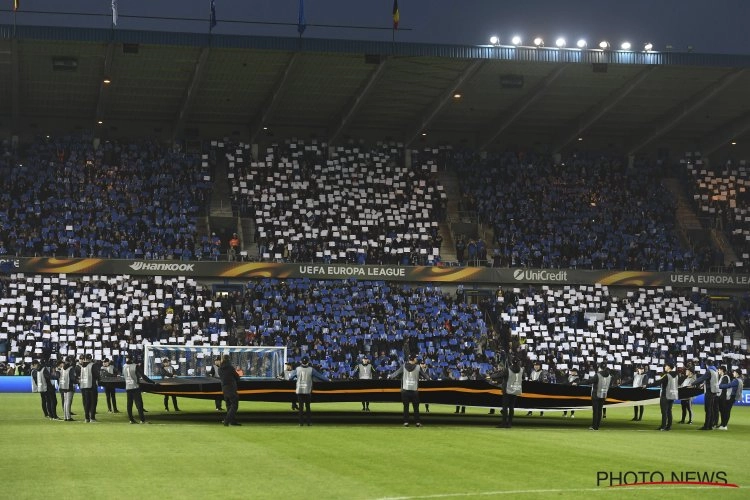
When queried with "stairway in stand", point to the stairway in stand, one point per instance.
{"points": [[221, 192], [691, 231], [449, 180]]}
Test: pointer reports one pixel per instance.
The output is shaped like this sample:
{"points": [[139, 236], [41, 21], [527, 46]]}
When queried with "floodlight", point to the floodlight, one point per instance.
{"points": [[625, 46], [648, 47], [560, 42], [538, 41], [581, 43], [516, 40], [604, 45], [494, 40]]}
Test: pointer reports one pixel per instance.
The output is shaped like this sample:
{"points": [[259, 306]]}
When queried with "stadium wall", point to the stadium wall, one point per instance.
{"points": [[414, 274]]}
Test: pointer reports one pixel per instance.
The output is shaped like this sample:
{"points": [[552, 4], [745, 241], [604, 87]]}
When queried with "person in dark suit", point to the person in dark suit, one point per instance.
{"points": [[213, 371], [167, 371], [229, 378]]}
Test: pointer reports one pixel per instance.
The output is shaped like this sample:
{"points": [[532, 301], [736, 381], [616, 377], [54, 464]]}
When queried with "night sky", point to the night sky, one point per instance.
{"points": [[718, 26]]}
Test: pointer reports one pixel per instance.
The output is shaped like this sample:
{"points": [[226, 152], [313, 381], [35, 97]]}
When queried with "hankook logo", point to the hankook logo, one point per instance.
{"points": [[153, 266]]}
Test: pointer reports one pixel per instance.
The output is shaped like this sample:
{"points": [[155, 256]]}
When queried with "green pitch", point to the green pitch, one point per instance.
{"points": [[349, 454]]}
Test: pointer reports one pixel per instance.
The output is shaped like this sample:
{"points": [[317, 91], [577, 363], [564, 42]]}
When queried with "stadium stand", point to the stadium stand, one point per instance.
{"points": [[335, 322], [347, 204], [722, 195], [52, 316], [353, 204], [587, 211], [71, 198]]}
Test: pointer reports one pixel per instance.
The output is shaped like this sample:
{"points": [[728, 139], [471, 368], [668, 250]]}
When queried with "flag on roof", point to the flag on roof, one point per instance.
{"points": [[213, 14], [396, 14], [301, 23]]}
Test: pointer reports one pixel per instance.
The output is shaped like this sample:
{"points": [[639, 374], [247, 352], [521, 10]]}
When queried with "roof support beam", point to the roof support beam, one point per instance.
{"points": [[731, 130], [444, 99], [15, 65], [683, 110], [584, 121], [356, 102], [274, 99], [192, 91], [101, 102], [507, 118]]}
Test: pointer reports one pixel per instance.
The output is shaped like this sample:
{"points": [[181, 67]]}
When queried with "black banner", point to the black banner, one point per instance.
{"points": [[452, 392]]}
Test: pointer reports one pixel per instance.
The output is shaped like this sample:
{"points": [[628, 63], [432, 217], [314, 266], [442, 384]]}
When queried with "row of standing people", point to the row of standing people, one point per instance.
{"points": [[87, 375], [720, 391], [68, 374]]}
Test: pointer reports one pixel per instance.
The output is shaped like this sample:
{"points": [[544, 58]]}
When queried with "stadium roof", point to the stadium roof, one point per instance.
{"points": [[178, 84]]}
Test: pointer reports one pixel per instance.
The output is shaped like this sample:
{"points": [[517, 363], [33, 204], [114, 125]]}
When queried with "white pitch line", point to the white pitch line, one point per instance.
{"points": [[531, 492]]}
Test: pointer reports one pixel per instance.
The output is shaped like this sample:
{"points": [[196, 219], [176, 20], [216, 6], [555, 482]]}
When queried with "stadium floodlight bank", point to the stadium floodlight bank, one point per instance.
{"points": [[262, 363]]}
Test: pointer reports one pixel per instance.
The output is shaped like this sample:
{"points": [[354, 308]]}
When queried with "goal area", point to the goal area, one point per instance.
{"points": [[252, 362]]}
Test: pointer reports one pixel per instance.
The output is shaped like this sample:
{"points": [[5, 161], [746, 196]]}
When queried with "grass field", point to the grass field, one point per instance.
{"points": [[352, 455]]}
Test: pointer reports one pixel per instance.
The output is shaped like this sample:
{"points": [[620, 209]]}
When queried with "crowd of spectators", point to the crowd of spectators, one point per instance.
{"points": [[722, 195], [336, 322], [351, 204], [575, 327], [76, 197], [586, 211], [49, 317]]}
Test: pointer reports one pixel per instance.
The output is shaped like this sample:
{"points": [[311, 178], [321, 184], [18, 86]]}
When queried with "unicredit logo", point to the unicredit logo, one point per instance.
{"points": [[539, 275], [153, 266]]}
